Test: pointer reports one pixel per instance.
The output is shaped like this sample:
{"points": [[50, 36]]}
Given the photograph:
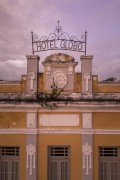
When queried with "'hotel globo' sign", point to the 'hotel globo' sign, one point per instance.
{"points": [[59, 44], [58, 40]]}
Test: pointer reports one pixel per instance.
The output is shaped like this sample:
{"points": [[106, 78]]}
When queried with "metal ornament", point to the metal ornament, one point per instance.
{"points": [[87, 157], [58, 40], [30, 149]]}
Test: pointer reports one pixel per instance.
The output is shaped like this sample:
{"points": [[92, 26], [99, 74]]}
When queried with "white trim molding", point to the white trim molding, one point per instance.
{"points": [[60, 131], [78, 107]]}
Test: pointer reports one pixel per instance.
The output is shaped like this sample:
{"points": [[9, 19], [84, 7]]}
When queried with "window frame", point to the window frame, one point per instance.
{"points": [[108, 157], [10, 154], [59, 160]]}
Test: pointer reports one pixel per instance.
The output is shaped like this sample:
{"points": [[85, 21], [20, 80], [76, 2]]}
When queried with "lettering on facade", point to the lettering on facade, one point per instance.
{"points": [[58, 44], [87, 157], [31, 78], [87, 78], [31, 150]]}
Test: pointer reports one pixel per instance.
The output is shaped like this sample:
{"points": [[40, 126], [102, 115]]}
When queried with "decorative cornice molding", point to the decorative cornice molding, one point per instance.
{"points": [[31, 131], [71, 107], [12, 131], [60, 131]]}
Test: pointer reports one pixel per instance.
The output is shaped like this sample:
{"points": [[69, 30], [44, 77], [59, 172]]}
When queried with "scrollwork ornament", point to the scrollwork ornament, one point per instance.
{"points": [[54, 41]]}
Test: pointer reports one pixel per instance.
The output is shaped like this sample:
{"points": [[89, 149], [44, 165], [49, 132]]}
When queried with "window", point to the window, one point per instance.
{"points": [[59, 164], [9, 163], [109, 163]]}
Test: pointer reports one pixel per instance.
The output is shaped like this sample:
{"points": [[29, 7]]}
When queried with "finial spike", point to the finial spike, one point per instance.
{"points": [[58, 22]]}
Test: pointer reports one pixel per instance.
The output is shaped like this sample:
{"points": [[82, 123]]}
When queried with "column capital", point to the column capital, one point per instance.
{"points": [[33, 57], [90, 57]]}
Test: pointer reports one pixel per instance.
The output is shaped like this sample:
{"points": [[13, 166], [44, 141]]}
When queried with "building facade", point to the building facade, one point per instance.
{"points": [[59, 124]]}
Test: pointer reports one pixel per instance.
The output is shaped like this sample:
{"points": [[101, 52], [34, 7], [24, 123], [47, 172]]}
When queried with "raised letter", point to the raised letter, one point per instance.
{"points": [[63, 44], [75, 46], [52, 44], [55, 44], [70, 45], [43, 45], [38, 44], [80, 46]]}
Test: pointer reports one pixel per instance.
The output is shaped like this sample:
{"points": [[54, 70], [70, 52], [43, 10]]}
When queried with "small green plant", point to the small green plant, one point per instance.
{"points": [[49, 100]]}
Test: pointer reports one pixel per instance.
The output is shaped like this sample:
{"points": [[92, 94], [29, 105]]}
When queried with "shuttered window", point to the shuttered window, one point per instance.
{"points": [[109, 163], [59, 163], [9, 163]]}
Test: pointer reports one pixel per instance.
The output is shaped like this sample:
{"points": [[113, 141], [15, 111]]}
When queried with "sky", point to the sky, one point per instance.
{"points": [[101, 19]]}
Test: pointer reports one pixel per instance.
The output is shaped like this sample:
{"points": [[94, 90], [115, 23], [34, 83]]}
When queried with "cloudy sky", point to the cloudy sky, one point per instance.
{"points": [[101, 19]]}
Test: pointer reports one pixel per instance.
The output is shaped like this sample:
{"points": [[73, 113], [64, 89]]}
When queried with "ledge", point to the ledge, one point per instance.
{"points": [[66, 98]]}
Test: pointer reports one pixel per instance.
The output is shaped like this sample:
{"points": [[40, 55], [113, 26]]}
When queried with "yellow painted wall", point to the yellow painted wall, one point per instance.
{"points": [[95, 83], [24, 83], [96, 86], [106, 120], [45, 140], [107, 88], [40, 82], [12, 120], [102, 140], [17, 140], [14, 88], [78, 82], [10, 88]]}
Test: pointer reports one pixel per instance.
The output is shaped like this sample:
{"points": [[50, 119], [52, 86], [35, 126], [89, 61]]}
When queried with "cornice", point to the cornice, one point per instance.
{"points": [[60, 131], [78, 107]]}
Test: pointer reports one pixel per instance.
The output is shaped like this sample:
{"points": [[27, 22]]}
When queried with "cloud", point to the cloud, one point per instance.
{"points": [[11, 69], [19, 17]]}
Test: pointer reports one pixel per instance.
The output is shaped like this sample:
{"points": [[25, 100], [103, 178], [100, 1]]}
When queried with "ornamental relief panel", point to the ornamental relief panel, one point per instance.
{"points": [[87, 120], [30, 150], [31, 120], [87, 157]]}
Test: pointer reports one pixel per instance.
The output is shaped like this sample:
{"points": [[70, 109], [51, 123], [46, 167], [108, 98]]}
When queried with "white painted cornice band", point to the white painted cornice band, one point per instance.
{"points": [[78, 107], [59, 131]]}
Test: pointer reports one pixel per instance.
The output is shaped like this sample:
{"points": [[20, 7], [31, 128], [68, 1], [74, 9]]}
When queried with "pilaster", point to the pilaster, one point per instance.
{"points": [[86, 69], [87, 148], [32, 73], [31, 146]]}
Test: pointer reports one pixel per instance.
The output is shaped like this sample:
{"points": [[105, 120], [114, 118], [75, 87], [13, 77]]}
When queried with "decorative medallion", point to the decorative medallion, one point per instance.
{"points": [[60, 79], [24, 78]]}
